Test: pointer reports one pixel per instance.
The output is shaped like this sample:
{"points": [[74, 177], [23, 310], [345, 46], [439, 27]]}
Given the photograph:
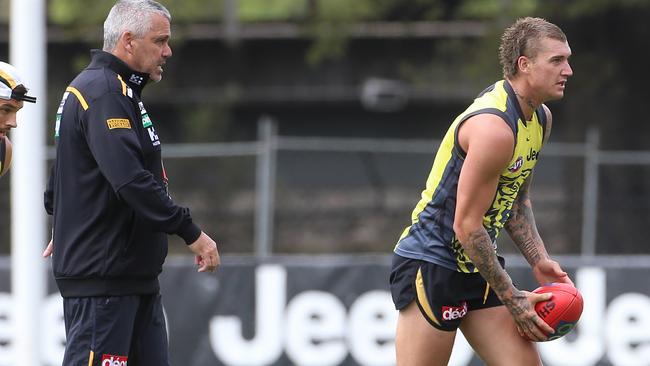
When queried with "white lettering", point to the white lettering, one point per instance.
{"points": [[371, 332], [152, 134], [628, 321], [266, 347], [315, 327], [6, 329], [113, 362], [590, 341], [54, 330], [454, 313]]}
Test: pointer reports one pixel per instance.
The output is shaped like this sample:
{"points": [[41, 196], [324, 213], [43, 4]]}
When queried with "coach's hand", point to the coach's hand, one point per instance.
{"points": [[207, 255], [48, 251]]}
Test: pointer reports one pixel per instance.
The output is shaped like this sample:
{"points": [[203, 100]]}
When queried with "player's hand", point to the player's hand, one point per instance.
{"points": [[207, 256], [547, 271], [48, 251], [522, 308]]}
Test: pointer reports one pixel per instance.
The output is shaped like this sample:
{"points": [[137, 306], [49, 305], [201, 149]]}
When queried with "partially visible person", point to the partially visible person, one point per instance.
{"points": [[109, 200], [446, 272], [12, 95]]}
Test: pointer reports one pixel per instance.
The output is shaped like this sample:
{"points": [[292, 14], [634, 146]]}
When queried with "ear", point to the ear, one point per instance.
{"points": [[126, 40], [523, 64]]}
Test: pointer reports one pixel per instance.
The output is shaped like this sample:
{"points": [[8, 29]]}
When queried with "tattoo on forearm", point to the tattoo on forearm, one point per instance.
{"points": [[518, 305], [480, 250], [523, 230]]}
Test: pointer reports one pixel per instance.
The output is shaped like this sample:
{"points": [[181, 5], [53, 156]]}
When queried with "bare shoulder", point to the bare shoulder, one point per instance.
{"points": [[487, 135]]}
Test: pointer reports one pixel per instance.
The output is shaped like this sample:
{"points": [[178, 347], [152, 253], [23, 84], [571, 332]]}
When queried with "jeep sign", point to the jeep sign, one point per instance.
{"points": [[338, 311]]}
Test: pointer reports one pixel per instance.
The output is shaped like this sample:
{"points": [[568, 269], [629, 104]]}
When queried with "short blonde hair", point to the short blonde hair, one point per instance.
{"points": [[522, 39]]}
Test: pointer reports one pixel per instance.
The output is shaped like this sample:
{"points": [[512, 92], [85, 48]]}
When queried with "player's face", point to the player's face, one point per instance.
{"points": [[151, 51], [8, 110], [550, 69]]}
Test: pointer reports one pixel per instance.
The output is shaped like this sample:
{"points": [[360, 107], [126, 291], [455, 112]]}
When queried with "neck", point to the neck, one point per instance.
{"points": [[124, 57], [526, 101]]}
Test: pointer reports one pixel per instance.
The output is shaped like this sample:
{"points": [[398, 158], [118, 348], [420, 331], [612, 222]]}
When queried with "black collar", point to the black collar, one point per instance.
{"points": [[134, 79]]}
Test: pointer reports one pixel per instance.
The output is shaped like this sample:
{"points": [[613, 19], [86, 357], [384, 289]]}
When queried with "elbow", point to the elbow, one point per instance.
{"points": [[461, 231], [465, 228]]}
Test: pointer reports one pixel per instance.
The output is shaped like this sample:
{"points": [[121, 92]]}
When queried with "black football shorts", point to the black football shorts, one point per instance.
{"points": [[116, 331], [444, 296]]}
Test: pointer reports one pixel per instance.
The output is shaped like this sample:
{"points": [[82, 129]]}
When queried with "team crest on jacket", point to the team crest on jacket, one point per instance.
{"points": [[114, 123], [517, 165]]}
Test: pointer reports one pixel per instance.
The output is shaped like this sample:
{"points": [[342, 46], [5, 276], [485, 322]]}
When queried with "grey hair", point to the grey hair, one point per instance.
{"points": [[130, 16]]}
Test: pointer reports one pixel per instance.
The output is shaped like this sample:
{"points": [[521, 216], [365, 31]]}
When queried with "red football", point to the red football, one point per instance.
{"points": [[563, 310]]}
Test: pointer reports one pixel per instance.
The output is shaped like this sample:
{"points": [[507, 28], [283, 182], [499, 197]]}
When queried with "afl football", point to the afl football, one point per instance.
{"points": [[563, 310]]}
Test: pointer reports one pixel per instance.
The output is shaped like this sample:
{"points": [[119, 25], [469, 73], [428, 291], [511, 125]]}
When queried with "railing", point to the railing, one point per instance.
{"points": [[269, 143]]}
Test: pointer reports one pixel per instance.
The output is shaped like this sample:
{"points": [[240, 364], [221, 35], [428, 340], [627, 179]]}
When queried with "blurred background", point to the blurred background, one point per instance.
{"points": [[368, 70], [304, 127]]}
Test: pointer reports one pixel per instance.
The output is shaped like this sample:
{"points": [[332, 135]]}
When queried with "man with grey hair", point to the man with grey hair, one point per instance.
{"points": [[109, 200]]}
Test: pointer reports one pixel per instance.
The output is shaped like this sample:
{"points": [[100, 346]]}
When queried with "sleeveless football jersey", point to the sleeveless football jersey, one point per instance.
{"points": [[431, 235]]}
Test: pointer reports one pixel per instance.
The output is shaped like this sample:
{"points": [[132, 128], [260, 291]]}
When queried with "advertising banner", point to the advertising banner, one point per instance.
{"points": [[336, 310]]}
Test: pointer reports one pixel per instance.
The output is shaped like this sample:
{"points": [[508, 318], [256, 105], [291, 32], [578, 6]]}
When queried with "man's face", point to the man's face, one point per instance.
{"points": [[551, 69], [151, 51], [8, 110]]}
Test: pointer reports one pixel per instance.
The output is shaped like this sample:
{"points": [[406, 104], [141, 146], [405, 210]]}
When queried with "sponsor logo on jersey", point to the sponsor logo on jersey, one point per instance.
{"points": [[517, 165], [153, 136], [136, 79], [146, 123], [532, 155], [454, 312], [59, 113], [113, 360], [114, 123]]}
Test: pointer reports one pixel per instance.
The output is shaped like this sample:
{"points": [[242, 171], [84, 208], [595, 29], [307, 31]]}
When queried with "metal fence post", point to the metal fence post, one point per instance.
{"points": [[265, 186], [590, 193], [231, 21]]}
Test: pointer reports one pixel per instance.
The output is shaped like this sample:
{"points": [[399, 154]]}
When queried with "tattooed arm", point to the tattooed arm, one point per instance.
{"points": [[488, 143], [478, 247], [521, 224], [523, 231]]}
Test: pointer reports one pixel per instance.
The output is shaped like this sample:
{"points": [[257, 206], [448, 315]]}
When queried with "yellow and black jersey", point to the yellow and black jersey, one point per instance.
{"points": [[430, 236]]}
